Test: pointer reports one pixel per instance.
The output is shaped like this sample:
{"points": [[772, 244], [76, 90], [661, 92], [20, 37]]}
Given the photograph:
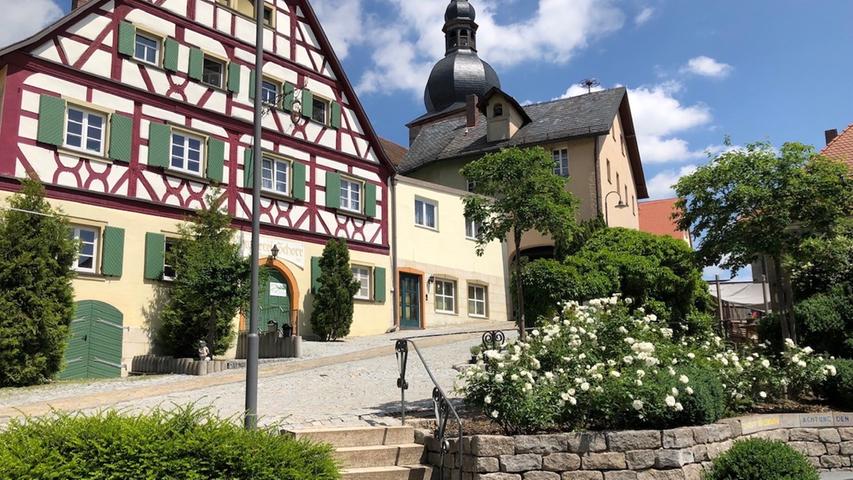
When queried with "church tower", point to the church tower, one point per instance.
{"points": [[461, 72]]}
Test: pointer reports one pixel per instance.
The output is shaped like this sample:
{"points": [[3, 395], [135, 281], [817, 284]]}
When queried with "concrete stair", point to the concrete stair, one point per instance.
{"points": [[372, 453]]}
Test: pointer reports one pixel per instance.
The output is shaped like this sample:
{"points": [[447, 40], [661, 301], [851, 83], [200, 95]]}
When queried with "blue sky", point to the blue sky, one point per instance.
{"points": [[697, 71]]}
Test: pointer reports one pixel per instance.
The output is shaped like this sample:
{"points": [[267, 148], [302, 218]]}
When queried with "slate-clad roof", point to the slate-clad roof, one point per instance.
{"points": [[583, 115]]}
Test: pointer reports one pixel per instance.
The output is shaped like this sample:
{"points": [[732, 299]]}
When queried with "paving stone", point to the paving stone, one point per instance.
{"points": [[561, 462], [834, 461], [521, 463], [694, 471], [640, 459], [492, 445], [633, 440], [541, 443], [584, 442], [678, 438], [604, 461]]}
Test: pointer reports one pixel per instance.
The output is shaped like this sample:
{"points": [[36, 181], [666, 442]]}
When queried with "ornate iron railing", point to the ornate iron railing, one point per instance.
{"points": [[442, 407]]}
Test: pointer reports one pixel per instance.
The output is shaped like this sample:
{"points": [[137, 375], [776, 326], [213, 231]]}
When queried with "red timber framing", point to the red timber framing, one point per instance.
{"points": [[130, 186]]}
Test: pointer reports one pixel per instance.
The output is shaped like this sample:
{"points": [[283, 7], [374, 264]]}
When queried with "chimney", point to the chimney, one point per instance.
{"points": [[830, 135], [78, 3], [471, 113]]}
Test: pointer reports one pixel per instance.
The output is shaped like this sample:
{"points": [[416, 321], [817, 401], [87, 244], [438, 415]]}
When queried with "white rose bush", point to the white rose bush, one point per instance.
{"points": [[604, 365]]}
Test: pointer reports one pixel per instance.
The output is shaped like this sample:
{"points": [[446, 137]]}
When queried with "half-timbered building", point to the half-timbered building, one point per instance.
{"points": [[135, 113]]}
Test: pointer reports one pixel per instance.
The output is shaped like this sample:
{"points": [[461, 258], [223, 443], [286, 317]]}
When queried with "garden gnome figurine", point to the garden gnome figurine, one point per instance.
{"points": [[203, 351]]}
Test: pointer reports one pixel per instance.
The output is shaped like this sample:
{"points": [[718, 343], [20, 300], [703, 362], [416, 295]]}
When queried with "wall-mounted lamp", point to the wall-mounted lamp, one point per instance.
{"points": [[274, 252], [619, 205], [430, 281]]}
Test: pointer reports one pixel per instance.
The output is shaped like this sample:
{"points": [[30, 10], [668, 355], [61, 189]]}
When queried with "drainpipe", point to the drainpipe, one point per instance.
{"points": [[596, 163], [395, 278]]}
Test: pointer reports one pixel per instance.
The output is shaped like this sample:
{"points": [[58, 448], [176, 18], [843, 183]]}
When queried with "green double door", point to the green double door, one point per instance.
{"points": [[95, 342], [275, 300], [410, 301]]}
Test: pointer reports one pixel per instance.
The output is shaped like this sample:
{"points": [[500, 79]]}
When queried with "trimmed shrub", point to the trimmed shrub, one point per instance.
{"points": [[838, 389], [759, 459], [707, 404], [188, 444], [825, 322], [333, 298]]}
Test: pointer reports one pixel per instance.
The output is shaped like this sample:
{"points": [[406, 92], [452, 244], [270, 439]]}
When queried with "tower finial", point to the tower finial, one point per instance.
{"points": [[460, 29]]}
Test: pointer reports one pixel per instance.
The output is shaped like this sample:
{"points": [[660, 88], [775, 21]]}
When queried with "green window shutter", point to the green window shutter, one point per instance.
{"points": [[170, 55], [159, 140], [335, 119], [299, 181], [379, 285], [307, 103], [287, 98], [370, 199], [315, 274], [333, 190], [126, 38], [248, 174], [196, 63], [155, 255], [113, 257], [215, 159], [51, 120], [121, 137], [252, 86], [234, 78]]}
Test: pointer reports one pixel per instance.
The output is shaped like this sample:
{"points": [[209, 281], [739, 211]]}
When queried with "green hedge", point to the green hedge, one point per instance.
{"points": [[759, 459], [187, 444], [838, 389]]}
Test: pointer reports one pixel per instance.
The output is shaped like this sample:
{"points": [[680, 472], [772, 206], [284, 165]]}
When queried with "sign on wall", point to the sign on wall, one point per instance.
{"points": [[288, 250]]}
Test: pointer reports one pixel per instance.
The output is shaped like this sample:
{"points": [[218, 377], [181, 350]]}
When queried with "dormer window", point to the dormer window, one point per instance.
{"points": [[498, 110]]}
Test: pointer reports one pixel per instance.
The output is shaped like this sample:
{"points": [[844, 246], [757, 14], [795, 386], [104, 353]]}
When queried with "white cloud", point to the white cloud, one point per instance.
{"points": [[707, 67], [644, 16], [658, 117], [343, 23], [412, 41], [660, 186], [743, 275], [577, 89], [22, 19]]}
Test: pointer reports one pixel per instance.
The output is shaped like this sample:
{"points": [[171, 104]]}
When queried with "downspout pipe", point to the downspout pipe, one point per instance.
{"points": [[395, 277], [597, 164]]}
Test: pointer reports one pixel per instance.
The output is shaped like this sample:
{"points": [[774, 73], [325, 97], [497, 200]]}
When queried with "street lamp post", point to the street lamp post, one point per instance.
{"points": [[252, 340], [619, 205]]}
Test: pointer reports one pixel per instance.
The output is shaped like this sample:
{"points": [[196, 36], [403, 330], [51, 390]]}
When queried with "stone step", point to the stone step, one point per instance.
{"points": [[340, 437], [410, 472], [379, 455]]}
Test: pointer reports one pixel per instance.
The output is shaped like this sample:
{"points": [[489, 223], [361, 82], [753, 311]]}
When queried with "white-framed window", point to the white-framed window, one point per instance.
{"points": [[169, 260], [470, 185], [186, 153], [275, 174], [362, 276], [320, 111], [213, 72], [426, 213], [85, 130], [561, 162], [147, 49], [477, 300], [472, 229], [351, 195], [445, 296], [269, 92], [87, 255]]}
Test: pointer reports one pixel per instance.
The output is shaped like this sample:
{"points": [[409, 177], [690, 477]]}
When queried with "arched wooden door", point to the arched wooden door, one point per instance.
{"points": [[95, 343], [275, 301]]}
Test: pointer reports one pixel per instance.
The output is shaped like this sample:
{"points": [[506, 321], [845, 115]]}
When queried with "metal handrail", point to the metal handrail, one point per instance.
{"points": [[441, 402]]}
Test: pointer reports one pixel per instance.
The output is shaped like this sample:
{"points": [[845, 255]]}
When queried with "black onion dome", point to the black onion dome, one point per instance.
{"points": [[459, 10], [456, 76]]}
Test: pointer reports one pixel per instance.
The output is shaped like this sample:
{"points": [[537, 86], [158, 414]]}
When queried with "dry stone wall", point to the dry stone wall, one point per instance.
{"points": [[676, 454]]}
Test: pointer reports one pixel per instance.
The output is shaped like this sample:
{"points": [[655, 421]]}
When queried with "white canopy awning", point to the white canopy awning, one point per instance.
{"points": [[747, 295]]}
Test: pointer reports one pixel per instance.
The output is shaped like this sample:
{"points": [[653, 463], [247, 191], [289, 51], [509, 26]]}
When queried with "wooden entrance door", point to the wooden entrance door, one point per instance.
{"points": [[95, 343], [275, 300], [410, 301]]}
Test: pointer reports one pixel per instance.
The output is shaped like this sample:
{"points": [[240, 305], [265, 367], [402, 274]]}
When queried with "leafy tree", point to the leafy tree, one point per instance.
{"points": [[756, 201], [333, 301], [819, 264], [211, 285], [36, 296], [519, 192]]}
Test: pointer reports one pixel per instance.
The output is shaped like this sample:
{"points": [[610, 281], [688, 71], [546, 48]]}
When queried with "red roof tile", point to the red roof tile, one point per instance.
{"points": [[841, 147], [656, 218], [393, 151]]}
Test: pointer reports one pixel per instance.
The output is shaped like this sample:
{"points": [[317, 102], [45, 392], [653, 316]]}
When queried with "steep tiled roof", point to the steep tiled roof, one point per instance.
{"points": [[579, 116], [841, 147], [656, 217], [394, 151]]}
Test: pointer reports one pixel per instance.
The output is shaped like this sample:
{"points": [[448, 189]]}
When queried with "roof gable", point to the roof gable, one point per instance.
{"points": [[841, 147]]}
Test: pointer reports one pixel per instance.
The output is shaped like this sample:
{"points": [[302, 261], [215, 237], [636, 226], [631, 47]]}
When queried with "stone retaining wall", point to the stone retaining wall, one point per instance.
{"points": [[677, 454]]}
